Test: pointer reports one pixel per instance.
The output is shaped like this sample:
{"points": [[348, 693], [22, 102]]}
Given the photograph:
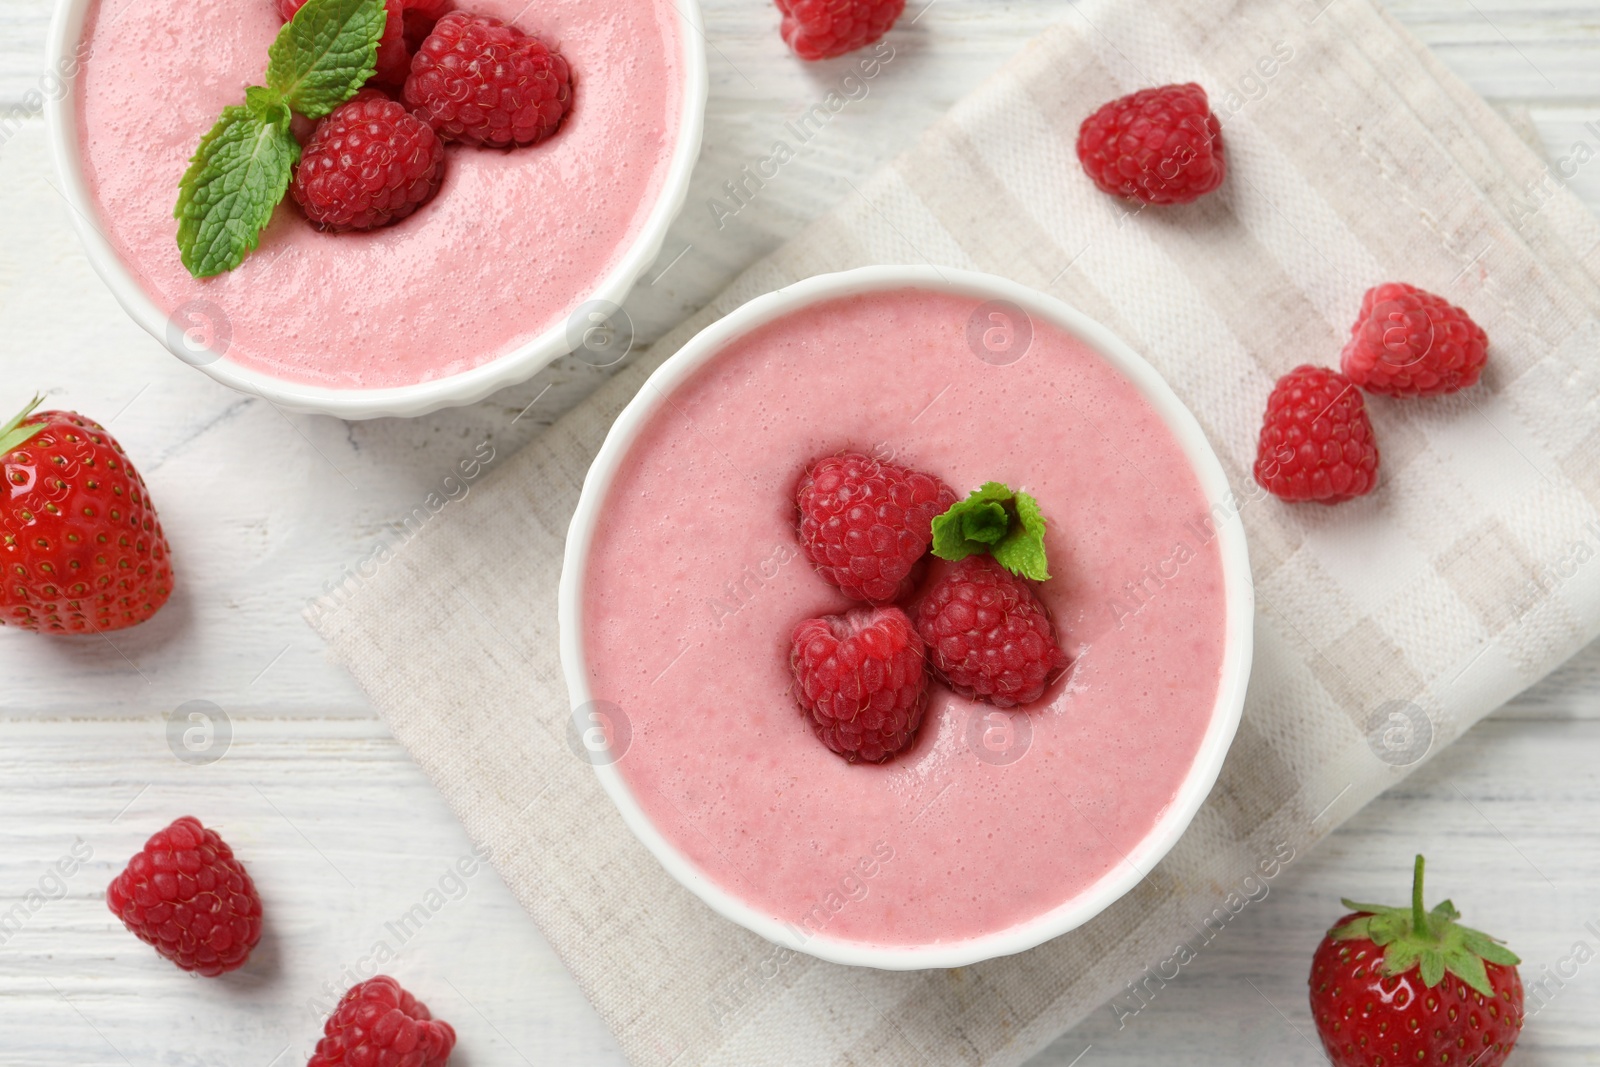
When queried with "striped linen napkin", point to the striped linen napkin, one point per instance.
{"points": [[1386, 626]]}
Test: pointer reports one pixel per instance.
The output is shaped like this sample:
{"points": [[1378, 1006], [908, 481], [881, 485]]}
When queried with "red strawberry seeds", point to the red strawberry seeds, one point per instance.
{"points": [[379, 1024], [369, 163], [479, 81], [822, 29], [185, 894], [860, 681], [1397, 986], [1409, 342], [1156, 146], [1316, 440], [81, 548], [988, 636], [865, 524]]}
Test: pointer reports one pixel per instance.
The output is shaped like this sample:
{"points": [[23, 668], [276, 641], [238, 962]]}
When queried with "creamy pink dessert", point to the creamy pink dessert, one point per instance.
{"points": [[695, 582], [513, 242]]}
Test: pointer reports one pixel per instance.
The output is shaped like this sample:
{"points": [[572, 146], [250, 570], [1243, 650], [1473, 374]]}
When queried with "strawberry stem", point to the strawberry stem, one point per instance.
{"points": [[1419, 916]]}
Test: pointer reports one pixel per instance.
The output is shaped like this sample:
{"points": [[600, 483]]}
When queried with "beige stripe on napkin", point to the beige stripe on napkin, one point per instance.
{"points": [[1355, 158]]}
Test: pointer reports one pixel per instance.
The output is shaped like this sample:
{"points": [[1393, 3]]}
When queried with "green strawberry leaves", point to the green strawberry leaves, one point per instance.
{"points": [[242, 167], [993, 519], [1433, 942], [13, 435], [1487, 948], [325, 54]]}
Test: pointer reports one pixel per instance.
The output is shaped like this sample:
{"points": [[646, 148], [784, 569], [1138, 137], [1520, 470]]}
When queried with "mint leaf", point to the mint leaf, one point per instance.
{"points": [[266, 105], [325, 54], [952, 531], [1022, 550], [237, 176], [993, 519], [987, 523]]}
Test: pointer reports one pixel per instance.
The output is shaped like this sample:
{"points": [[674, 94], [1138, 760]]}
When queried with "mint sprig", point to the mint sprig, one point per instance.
{"points": [[324, 56], [237, 176], [1008, 526], [242, 167]]}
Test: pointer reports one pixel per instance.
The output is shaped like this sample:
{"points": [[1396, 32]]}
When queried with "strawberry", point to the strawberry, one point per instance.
{"points": [[1392, 986], [81, 550]]}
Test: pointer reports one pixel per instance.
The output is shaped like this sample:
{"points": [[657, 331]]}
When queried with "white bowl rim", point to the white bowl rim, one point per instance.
{"points": [[66, 30], [1239, 611]]}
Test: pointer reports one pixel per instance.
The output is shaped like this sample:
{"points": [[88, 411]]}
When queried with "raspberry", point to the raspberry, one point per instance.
{"points": [[379, 1024], [822, 29], [861, 680], [185, 894], [1409, 342], [1316, 441], [1157, 146], [369, 163], [988, 636], [479, 81], [394, 59], [866, 524]]}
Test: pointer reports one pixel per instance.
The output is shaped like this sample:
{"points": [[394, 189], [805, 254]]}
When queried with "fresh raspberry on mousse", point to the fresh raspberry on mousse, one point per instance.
{"points": [[187, 895], [865, 524], [1409, 342], [420, 18], [480, 81], [988, 636], [861, 681], [1156, 146], [368, 163]]}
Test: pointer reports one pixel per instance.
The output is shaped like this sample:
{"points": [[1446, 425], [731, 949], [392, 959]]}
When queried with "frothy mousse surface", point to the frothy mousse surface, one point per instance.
{"points": [[696, 581], [511, 245]]}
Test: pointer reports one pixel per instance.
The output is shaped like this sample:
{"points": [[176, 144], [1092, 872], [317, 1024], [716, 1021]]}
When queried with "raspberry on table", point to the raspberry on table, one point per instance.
{"points": [[861, 681], [378, 1024], [1410, 342], [394, 58], [369, 163], [480, 81], [187, 895], [823, 29], [1156, 146], [988, 636], [1316, 441], [866, 524]]}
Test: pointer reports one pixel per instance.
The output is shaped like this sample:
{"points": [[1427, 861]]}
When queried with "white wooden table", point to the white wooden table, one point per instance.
{"points": [[343, 833]]}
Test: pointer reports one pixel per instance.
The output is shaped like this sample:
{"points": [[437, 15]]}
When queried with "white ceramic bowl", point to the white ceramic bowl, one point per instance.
{"points": [[66, 30], [1238, 593]]}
